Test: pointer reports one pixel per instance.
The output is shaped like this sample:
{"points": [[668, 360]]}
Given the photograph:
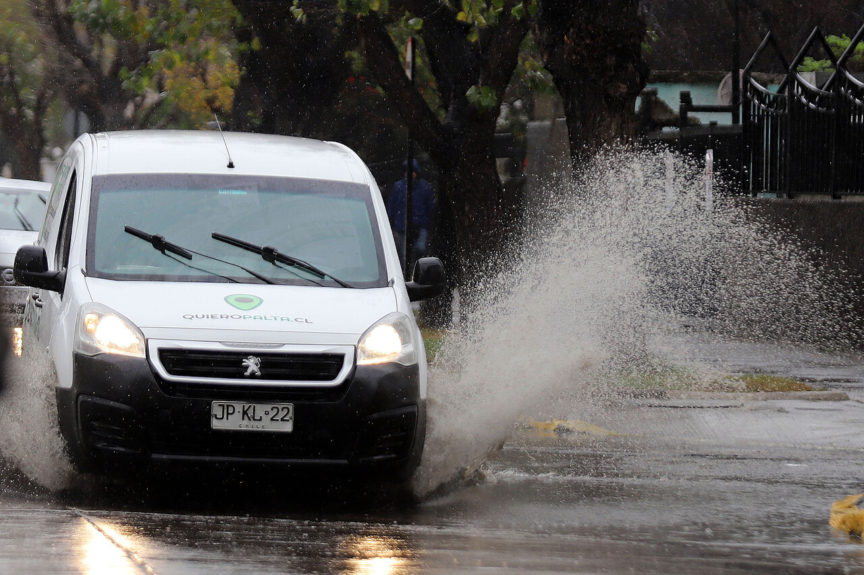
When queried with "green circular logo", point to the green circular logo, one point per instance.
{"points": [[244, 302]]}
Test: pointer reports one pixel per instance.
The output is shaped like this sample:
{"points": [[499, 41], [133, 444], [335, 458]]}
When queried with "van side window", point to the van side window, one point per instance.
{"points": [[64, 238], [54, 200]]}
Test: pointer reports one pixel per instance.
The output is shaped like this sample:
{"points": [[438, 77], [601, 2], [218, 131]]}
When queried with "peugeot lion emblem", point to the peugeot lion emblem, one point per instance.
{"points": [[253, 366]]}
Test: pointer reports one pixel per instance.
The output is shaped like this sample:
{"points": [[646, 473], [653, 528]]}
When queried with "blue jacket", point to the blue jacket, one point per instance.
{"points": [[422, 205]]}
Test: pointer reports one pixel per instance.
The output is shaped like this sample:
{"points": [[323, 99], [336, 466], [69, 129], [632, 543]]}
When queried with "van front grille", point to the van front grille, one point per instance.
{"points": [[234, 365]]}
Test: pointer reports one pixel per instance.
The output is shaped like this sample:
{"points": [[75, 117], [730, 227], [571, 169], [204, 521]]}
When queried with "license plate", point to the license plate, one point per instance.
{"points": [[243, 416]]}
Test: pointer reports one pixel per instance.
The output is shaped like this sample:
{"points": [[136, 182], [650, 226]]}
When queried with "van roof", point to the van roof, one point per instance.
{"points": [[204, 152], [10, 184]]}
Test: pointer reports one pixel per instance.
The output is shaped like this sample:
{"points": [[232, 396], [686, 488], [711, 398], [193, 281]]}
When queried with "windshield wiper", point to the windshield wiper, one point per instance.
{"points": [[273, 255], [21, 218], [159, 243]]}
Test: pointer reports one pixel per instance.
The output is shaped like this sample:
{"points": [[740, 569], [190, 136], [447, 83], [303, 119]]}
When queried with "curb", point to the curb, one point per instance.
{"points": [[688, 403], [763, 395], [721, 400]]}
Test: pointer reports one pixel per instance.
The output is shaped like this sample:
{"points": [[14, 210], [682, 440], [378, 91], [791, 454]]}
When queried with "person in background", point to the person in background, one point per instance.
{"points": [[422, 213]]}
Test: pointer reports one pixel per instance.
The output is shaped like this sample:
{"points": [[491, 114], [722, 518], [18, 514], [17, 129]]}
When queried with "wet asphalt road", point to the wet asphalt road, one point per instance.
{"points": [[651, 486]]}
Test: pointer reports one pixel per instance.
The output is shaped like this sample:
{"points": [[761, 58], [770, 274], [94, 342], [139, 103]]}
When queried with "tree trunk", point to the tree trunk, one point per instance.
{"points": [[475, 215], [482, 215], [594, 52], [27, 139], [297, 75], [595, 119], [29, 153]]}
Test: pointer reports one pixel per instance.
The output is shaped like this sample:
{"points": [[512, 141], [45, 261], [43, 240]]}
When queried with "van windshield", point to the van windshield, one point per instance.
{"points": [[21, 210], [330, 225]]}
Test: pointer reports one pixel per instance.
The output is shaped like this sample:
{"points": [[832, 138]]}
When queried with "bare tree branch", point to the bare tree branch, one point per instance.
{"points": [[59, 23]]}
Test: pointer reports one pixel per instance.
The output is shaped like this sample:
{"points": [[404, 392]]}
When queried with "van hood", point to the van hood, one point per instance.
{"points": [[11, 240], [245, 312]]}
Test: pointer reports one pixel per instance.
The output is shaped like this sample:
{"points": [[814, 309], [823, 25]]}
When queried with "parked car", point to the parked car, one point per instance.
{"points": [[226, 298], [22, 209]]}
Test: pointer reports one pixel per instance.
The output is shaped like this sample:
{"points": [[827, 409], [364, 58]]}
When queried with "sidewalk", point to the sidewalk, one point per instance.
{"points": [[833, 372], [832, 419]]}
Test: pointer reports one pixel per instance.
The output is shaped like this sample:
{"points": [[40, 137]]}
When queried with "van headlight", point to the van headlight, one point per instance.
{"points": [[390, 340], [102, 330]]}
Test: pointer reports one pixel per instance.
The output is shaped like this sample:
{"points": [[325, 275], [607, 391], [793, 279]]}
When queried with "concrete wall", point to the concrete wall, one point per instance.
{"points": [[836, 229], [834, 226]]}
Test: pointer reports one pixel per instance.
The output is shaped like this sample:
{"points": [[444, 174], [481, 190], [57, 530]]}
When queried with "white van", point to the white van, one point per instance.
{"points": [[226, 298]]}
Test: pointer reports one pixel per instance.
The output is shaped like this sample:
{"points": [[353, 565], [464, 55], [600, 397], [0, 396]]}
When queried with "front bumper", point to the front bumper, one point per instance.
{"points": [[119, 410]]}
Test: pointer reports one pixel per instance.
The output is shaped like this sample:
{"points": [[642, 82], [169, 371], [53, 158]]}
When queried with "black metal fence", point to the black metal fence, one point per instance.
{"points": [[804, 137]]}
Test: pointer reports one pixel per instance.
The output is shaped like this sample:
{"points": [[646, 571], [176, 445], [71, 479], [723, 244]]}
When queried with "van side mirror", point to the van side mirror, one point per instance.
{"points": [[31, 269], [427, 279]]}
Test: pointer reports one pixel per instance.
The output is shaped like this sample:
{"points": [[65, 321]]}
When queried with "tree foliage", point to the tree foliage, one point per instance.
{"points": [[27, 87], [295, 67], [306, 67], [132, 63], [838, 45]]}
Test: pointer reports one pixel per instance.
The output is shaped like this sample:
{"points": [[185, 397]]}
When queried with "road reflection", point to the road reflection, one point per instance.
{"points": [[17, 341], [378, 555], [105, 551], [127, 544]]}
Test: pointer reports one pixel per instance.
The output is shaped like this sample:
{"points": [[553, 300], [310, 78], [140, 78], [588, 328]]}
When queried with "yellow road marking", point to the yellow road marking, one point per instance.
{"points": [[846, 515], [557, 427]]}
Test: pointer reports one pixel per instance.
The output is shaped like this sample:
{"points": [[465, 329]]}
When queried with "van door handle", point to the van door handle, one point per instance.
{"points": [[37, 299]]}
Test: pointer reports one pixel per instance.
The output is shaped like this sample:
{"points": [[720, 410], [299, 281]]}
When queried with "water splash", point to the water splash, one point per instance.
{"points": [[29, 434], [608, 263]]}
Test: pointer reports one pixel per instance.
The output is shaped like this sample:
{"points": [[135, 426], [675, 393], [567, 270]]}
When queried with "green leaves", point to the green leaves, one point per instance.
{"points": [[811, 64], [488, 13], [483, 98], [179, 55], [363, 7], [480, 13], [522, 9], [414, 24], [838, 45], [114, 17], [297, 12], [651, 36]]}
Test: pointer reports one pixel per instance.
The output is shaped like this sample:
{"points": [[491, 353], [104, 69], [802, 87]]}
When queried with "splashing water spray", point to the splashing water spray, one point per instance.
{"points": [[638, 245], [29, 435]]}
